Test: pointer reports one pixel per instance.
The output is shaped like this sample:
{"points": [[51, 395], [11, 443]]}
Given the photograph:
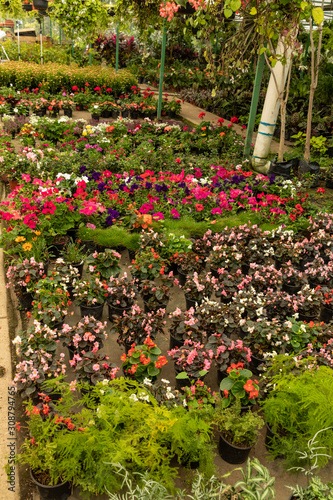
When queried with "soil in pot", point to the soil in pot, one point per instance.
{"points": [[58, 491]]}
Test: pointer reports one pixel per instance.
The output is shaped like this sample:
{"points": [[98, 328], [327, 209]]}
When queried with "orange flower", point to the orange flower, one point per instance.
{"points": [[148, 342]]}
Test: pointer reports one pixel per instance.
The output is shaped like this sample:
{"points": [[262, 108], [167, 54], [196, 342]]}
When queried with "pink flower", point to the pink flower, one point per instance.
{"points": [[175, 214], [158, 216], [96, 367]]}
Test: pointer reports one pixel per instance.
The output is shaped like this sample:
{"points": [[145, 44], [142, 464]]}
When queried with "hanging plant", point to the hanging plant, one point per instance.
{"points": [[11, 9], [86, 17]]}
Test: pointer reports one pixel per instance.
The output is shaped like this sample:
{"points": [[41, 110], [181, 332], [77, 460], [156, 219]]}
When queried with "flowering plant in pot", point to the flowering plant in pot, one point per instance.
{"points": [[249, 303], [192, 360], [31, 373], [147, 265], [91, 292], [104, 264], [240, 430], [189, 262], [69, 274], [217, 318], [292, 278], [155, 294], [37, 337], [134, 326], [92, 367], [280, 304], [51, 300], [225, 256], [23, 275], [121, 292], [229, 283], [263, 336], [257, 250], [227, 351], [308, 302], [143, 361], [185, 326], [87, 335], [199, 286], [239, 385], [319, 272], [263, 277], [200, 397], [297, 335]]}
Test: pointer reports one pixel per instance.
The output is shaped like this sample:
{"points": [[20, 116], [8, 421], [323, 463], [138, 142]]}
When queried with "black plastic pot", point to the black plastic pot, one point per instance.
{"points": [[25, 301], [181, 277], [95, 117], [41, 4], [191, 303], [174, 342], [79, 266], [232, 454], [116, 311], [55, 492], [291, 289], [105, 113], [124, 114], [326, 314], [40, 112], [307, 318], [27, 7], [255, 363], [96, 310], [68, 112], [148, 308]]}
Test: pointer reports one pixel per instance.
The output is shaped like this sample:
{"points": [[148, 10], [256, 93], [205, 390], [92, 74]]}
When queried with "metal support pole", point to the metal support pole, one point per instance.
{"points": [[90, 56], [51, 30], [72, 44], [18, 39], [43, 27], [60, 35], [254, 104], [159, 106], [117, 49], [41, 48], [306, 52]]}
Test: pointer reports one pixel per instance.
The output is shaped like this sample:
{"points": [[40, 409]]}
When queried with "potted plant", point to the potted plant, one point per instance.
{"points": [[90, 295], [69, 275], [309, 302], [36, 338], [87, 335], [192, 361], [239, 385], [134, 326], [30, 374], [188, 263], [95, 110], [238, 431], [200, 397], [51, 301], [185, 326], [292, 278], [42, 452], [265, 338], [143, 361], [104, 264], [92, 367], [197, 287], [155, 295], [316, 490], [22, 276], [227, 352], [121, 295], [147, 265], [294, 408], [74, 254]]}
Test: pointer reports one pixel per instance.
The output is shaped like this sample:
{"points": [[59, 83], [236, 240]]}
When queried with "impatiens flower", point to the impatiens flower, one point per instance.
{"points": [[202, 114]]}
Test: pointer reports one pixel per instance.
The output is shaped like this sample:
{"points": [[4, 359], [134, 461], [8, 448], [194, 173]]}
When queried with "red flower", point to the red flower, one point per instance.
{"points": [[202, 114], [234, 119], [199, 207]]}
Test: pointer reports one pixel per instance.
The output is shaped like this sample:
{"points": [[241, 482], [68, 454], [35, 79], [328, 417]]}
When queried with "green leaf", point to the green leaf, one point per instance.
{"points": [[235, 4], [253, 11], [318, 15], [226, 383], [182, 376], [228, 12]]}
